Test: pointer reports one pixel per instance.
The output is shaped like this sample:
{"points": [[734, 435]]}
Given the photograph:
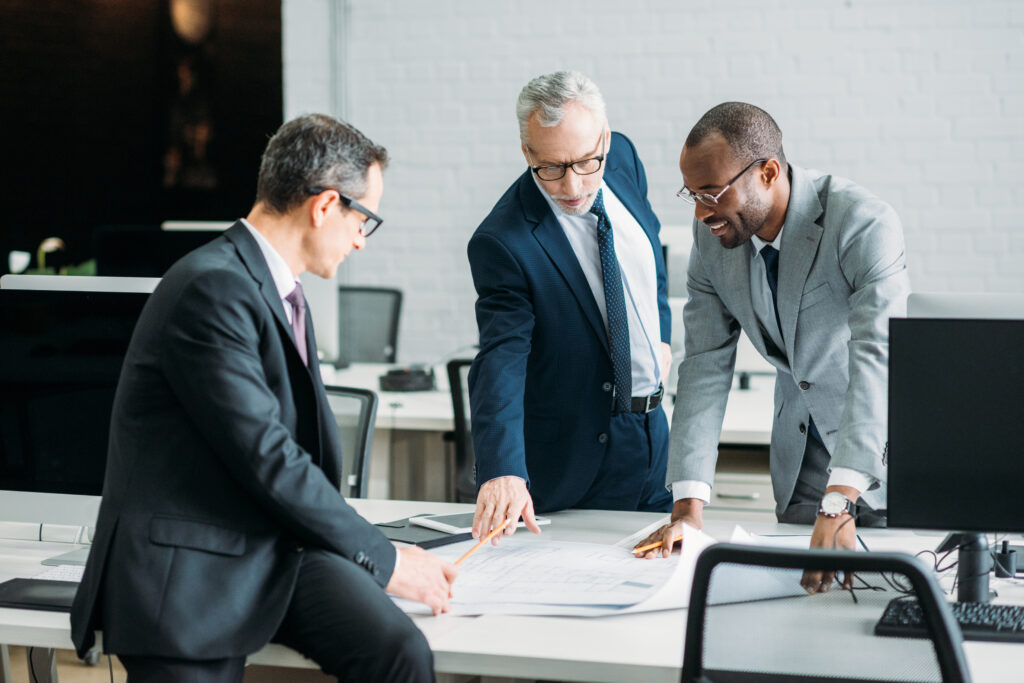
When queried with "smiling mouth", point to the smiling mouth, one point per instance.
{"points": [[717, 227]]}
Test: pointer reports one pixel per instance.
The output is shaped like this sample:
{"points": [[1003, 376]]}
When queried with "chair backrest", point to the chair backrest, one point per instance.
{"points": [[465, 462], [827, 636], [368, 324], [355, 412]]}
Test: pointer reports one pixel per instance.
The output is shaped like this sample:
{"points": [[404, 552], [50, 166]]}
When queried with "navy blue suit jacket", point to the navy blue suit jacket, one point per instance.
{"points": [[540, 387], [224, 462]]}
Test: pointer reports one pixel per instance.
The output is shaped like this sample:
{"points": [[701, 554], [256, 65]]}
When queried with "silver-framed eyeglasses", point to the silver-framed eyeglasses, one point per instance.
{"points": [[581, 167], [368, 226], [711, 200]]}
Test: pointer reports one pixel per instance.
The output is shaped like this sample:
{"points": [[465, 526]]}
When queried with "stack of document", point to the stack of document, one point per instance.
{"points": [[528, 575]]}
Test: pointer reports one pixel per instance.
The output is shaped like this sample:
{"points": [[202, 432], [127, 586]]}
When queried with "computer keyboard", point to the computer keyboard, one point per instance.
{"points": [[62, 572], [978, 621]]}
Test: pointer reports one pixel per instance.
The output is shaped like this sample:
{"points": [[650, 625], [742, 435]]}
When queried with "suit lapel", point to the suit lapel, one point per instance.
{"points": [[554, 242], [254, 261], [800, 239], [256, 264]]}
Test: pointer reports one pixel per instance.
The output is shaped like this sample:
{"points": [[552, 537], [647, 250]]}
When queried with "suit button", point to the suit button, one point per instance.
{"points": [[607, 386], [298, 548], [804, 386], [803, 428], [602, 438], [361, 556]]}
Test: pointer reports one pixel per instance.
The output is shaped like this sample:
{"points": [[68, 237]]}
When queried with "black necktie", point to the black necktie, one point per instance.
{"points": [[615, 305], [771, 262]]}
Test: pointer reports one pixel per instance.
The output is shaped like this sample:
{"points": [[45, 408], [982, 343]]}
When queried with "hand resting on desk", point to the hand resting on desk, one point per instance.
{"points": [[685, 510], [832, 532], [500, 499], [423, 577]]}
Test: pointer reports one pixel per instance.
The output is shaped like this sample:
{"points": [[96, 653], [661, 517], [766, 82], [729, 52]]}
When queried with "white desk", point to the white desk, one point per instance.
{"points": [[641, 647]]}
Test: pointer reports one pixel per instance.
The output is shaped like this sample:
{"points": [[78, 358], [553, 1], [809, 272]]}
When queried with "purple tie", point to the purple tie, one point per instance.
{"points": [[298, 303]]}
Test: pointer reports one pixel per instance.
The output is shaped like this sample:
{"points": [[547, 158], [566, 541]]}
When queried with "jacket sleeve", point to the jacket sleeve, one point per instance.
{"points": [[497, 379], [873, 260], [705, 376], [212, 359]]}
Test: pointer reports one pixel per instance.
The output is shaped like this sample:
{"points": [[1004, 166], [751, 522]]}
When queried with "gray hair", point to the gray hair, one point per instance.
{"points": [[548, 94], [750, 131], [315, 150]]}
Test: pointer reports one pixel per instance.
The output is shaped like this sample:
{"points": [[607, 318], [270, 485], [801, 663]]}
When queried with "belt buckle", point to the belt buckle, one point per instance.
{"points": [[656, 395]]}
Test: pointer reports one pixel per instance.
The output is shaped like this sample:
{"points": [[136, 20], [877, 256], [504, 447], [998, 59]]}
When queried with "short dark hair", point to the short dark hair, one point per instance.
{"points": [[750, 131], [315, 150]]}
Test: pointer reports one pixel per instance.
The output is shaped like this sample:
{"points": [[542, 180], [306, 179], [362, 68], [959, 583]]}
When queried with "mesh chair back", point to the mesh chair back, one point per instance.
{"points": [[368, 324], [465, 462], [355, 411], [823, 637]]}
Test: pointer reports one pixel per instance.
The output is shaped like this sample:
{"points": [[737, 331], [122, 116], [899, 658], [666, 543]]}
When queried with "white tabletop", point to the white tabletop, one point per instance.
{"points": [[638, 647]]}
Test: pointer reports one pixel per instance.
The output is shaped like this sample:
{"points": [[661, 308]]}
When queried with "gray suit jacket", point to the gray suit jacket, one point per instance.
{"points": [[842, 275]]}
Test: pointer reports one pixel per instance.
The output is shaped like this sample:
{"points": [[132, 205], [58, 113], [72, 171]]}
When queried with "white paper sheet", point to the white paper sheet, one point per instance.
{"points": [[527, 575]]}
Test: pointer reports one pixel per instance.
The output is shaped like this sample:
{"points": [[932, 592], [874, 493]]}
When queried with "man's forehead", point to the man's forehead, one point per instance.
{"points": [[578, 133], [705, 163]]}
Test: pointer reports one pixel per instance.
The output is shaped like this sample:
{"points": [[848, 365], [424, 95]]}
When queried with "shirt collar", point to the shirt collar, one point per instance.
{"points": [[284, 281], [757, 243]]}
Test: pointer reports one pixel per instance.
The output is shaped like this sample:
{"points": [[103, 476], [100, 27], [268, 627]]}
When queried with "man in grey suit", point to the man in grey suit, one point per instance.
{"points": [[811, 267], [222, 526]]}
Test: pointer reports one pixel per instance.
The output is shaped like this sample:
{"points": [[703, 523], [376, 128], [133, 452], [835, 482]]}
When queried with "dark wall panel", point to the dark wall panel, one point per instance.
{"points": [[93, 106]]}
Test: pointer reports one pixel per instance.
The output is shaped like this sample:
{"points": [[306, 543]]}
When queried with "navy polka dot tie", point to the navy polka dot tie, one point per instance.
{"points": [[615, 304]]}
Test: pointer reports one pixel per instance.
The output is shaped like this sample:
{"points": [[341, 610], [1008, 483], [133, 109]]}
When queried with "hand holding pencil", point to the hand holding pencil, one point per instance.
{"points": [[661, 542]]}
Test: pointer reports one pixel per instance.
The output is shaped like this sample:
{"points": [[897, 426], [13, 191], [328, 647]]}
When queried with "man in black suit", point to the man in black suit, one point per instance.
{"points": [[222, 526]]}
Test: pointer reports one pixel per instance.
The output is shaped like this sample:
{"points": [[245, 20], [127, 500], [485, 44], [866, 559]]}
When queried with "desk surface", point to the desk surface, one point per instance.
{"points": [[639, 647], [748, 415]]}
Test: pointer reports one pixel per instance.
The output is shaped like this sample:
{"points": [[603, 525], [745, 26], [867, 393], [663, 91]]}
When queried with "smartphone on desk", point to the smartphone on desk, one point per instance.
{"points": [[459, 523]]}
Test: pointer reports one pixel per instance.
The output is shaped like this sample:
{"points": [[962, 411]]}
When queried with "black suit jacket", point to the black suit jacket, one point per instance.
{"points": [[224, 463]]}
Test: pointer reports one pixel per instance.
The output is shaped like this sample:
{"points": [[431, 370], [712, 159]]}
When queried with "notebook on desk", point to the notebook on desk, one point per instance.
{"points": [[404, 531], [39, 594]]}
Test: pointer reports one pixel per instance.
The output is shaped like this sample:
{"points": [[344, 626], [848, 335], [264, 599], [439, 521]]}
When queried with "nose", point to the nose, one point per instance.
{"points": [[571, 185], [360, 241], [702, 211]]}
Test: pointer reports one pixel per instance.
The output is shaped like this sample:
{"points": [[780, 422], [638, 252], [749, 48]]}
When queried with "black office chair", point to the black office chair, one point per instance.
{"points": [[368, 324], [823, 637], [355, 412], [465, 462]]}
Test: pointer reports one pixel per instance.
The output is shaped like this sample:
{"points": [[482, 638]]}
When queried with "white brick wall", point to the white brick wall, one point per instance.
{"points": [[921, 101]]}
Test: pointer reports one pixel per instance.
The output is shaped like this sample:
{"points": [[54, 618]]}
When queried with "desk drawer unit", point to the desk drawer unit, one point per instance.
{"points": [[749, 492]]}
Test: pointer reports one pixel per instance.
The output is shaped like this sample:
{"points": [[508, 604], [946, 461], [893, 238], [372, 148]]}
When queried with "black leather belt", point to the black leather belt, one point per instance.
{"points": [[645, 404]]}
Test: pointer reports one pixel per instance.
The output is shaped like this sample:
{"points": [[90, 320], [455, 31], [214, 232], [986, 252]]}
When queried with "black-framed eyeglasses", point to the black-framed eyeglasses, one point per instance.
{"points": [[581, 167], [368, 226], [711, 200]]}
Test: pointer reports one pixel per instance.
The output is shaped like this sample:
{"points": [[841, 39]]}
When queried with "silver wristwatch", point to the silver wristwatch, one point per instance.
{"points": [[834, 504]]}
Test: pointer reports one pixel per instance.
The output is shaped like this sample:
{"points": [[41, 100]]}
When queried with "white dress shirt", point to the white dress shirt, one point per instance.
{"points": [[764, 309], [635, 254]]}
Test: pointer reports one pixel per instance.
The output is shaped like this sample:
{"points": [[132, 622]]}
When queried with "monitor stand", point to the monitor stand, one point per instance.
{"points": [[73, 557], [973, 566]]}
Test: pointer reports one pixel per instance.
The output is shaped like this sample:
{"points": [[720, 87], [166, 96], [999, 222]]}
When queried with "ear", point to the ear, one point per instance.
{"points": [[526, 154], [320, 205], [771, 171]]}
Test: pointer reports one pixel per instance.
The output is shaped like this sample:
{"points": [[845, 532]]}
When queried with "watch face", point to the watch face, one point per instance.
{"points": [[834, 504]]}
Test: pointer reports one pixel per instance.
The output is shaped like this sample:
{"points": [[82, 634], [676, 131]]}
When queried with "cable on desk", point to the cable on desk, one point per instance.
{"points": [[110, 667], [32, 666]]}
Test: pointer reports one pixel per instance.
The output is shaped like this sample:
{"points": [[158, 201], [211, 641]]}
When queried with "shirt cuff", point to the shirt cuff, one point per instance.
{"points": [[691, 489], [398, 558], [844, 476]]}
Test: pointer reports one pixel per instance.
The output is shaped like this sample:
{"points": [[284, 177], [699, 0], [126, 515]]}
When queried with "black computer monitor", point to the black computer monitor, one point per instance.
{"points": [[956, 422], [143, 251], [61, 354]]}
